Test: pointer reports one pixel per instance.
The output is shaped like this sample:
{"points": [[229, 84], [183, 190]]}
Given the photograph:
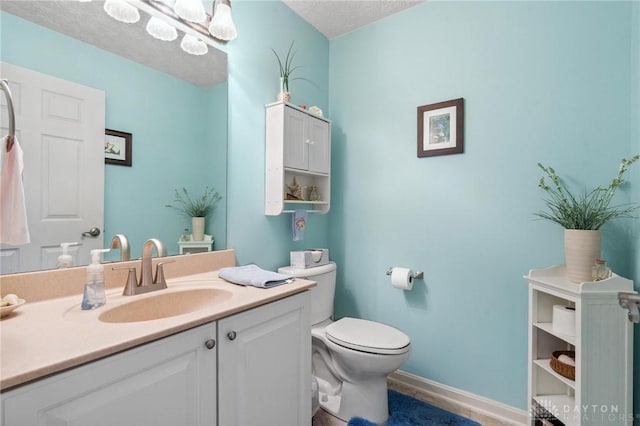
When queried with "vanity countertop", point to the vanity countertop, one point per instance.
{"points": [[49, 336]]}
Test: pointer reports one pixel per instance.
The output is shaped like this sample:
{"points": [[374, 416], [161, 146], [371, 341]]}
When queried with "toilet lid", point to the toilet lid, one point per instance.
{"points": [[367, 336]]}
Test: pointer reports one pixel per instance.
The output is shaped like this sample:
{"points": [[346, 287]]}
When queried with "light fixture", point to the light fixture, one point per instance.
{"points": [[187, 16], [190, 10], [221, 25], [122, 11], [192, 45], [159, 29]]}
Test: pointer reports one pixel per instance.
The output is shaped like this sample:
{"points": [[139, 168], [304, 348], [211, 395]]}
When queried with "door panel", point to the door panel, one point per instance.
{"points": [[295, 148], [319, 155], [60, 126]]}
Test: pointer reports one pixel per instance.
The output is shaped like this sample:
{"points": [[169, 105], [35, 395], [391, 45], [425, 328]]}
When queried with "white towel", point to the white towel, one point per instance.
{"points": [[13, 213], [253, 275]]}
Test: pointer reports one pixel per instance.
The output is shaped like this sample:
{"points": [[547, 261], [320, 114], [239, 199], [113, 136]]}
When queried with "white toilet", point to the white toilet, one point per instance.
{"points": [[351, 357]]}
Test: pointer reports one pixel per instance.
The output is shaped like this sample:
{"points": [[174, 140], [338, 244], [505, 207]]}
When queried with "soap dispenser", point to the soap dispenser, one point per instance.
{"points": [[65, 260], [94, 296]]}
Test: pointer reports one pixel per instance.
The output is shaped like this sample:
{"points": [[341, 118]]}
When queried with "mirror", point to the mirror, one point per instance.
{"points": [[173, 104]]}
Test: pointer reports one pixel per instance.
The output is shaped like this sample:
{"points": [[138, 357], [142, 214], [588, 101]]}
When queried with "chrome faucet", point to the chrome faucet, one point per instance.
{"points": [[147, 282], [120, 241], [146, 276]]}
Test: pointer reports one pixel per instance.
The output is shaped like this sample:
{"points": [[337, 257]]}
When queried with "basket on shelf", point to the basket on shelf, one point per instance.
{"points": [[565, 370]]}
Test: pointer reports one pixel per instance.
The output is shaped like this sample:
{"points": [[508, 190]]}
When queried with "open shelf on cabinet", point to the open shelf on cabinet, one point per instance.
{"points": [[548, 328], [306, 180], [545, 364], [316, 206]]}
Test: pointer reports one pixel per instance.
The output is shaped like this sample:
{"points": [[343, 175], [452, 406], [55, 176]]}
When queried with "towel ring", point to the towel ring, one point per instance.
{"points": [[12, 118]]}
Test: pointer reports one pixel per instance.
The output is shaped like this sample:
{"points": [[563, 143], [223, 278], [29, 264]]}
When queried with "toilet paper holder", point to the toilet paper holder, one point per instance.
{"points": [[417, 275]]}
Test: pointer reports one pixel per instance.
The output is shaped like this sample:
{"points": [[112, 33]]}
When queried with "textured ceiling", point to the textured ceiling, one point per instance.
{"points": [[88, 22], [334, 18]]}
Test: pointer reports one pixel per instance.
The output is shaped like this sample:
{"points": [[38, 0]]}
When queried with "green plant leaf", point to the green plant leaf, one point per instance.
{"points": [[590, 209]]}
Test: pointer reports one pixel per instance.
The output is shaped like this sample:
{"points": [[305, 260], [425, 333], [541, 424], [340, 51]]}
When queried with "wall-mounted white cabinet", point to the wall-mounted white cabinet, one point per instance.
{"points": [[298, 146], [601, 393]]}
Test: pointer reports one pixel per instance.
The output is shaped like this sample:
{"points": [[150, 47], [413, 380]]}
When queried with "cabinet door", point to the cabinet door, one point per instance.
{"points": [[168, 382], [265, 365], [295, 139], [319, 147]]}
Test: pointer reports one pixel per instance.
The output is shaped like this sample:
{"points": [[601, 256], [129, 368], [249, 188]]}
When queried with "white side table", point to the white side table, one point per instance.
{"points": [[192, 246]]}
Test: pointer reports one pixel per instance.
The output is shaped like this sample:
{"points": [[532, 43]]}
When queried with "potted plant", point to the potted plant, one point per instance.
{"points": [[286, 69], [197, 209], [582, 215]]}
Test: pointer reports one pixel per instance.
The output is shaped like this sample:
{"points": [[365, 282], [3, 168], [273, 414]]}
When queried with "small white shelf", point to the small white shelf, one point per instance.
{"points": [[305, 202], [548, 328], [193, 246], [545, 364], [603, 343], [304, 172], [321, 204]]}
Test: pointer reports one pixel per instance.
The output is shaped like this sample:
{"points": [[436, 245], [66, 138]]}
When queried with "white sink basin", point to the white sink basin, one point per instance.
{"points": [[165, 304]]}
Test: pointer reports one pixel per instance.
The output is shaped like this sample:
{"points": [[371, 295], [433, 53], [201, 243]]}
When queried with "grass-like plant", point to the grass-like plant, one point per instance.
{"points": [[199, 207], [590, 209], [286, 67]]}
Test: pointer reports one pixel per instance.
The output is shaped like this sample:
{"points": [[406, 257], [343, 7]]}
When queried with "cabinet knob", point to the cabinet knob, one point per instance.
{"points": [[231, 335], [210, 344]]}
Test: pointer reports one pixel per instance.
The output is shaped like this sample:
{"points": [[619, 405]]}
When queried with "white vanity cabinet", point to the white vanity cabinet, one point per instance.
{"points": [[298, 145], [601, 393], [169, 382], [252, 368], [264, 361]]}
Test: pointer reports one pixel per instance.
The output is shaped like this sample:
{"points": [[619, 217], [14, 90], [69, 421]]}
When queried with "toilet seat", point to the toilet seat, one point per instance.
{"points": [[367, 336]]}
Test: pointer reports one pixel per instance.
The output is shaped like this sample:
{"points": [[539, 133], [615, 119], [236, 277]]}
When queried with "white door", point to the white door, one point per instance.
{"points": [[60, 126]]}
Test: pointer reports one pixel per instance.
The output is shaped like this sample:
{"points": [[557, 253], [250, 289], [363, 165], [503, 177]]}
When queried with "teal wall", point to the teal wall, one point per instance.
{"points": [[543, 82], [179, 131], [253, 83]]}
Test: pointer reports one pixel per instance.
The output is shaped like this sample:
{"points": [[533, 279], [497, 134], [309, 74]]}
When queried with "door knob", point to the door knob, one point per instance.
{"points": [[210, 344], [231, 335], [93, 232]]}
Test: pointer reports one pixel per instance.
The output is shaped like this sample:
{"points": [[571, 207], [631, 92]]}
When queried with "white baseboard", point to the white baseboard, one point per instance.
{"points": [[502, 413]]}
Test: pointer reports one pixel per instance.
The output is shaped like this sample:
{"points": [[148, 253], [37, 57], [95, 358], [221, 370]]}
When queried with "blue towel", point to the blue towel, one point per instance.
{"points": [[253, 275]]}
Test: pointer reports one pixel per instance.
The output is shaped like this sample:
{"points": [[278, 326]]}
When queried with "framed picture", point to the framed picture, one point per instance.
{"points": [[441, 128], [117, 147]]}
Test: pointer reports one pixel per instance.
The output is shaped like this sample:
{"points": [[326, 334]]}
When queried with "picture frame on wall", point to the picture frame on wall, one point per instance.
{"points": [[441, 128], [117, 147]]}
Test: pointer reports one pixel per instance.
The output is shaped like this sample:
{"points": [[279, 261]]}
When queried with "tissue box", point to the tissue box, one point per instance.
{"points": [[309, 258]]}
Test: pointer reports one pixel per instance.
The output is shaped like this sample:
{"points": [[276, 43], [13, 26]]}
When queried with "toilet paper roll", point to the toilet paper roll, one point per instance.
{"points": [[564, 320], [402, 278]]}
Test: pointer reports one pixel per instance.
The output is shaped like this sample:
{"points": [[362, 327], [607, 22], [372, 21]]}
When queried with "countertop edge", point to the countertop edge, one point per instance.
{"points": [[257, 297]]}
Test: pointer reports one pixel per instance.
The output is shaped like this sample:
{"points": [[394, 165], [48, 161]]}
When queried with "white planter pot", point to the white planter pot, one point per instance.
{"points": [[581, 249], [197, 228]]}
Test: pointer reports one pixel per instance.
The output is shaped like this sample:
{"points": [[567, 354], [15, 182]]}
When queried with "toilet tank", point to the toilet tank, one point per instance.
{"points": [[321, 295]]}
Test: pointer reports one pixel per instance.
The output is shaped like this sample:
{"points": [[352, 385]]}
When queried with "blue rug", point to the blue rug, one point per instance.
{"points": [[407, 411]]}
